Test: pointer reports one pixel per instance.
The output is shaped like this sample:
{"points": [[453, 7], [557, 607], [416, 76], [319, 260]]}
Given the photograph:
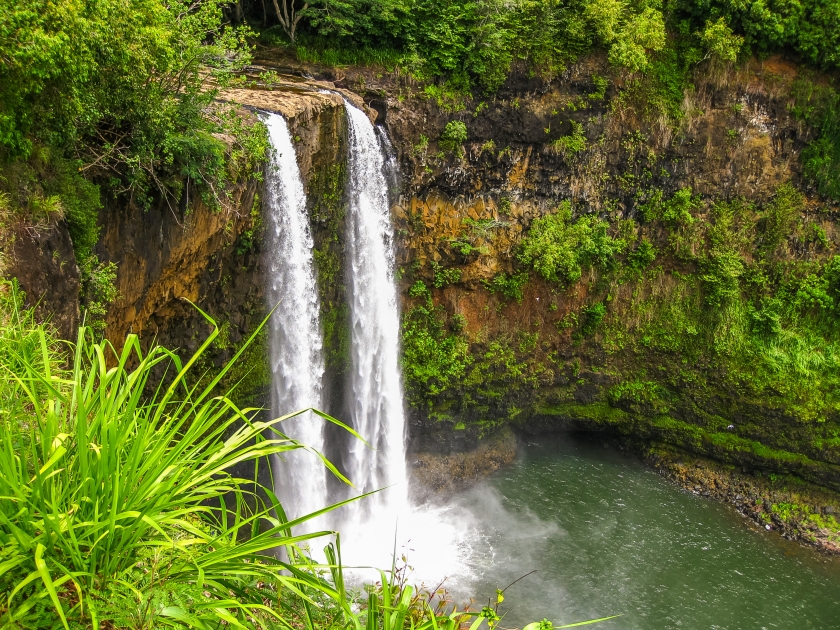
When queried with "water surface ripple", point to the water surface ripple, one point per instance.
{"points": [[610, 536]]}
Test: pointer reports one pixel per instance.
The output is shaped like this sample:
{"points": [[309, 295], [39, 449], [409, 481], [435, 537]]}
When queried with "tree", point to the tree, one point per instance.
{"points": [[721, 43], [289, 17], [628, 34]]}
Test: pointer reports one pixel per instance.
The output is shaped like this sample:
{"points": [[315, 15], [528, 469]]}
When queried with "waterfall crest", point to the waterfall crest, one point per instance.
{"points": [[376, 406], [294, 331]]}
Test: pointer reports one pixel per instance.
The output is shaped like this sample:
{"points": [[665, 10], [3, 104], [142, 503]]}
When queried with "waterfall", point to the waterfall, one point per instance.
{"points": [[376, 396], [295, 345]]}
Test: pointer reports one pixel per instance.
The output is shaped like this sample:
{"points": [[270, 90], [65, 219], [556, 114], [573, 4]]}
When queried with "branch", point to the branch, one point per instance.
{"points": [[283, 21]]}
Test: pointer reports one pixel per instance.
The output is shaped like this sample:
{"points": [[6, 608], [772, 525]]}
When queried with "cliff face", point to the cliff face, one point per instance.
{"points": [[574, 254], [42, 261], [658, 339], [171, 256]]}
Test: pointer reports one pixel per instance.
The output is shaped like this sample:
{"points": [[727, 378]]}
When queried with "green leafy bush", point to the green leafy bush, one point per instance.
{"points": [[721, 276], [600, 85], [433, 359], [591, 318], [454, 135], [98, 291], [766, 318], [508, 285], [675, 212], [720, 42], [573, 143], [640, 32], [643, 256], [559, 248], [813, 294], [443, 277]]}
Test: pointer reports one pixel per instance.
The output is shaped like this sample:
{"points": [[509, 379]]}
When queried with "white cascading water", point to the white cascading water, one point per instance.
{"points": [[295, 343], [371, 528], [376, 393]]}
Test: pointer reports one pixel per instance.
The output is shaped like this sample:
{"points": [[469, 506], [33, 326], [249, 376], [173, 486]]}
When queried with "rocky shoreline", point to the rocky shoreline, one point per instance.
{"points": [[448, 472], [798, 511]]}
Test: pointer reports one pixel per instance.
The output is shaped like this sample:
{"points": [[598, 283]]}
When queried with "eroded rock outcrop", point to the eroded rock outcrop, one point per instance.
{"points": [[169, 256]]}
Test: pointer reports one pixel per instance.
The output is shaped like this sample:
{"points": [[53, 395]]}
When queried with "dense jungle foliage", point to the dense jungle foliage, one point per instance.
{"points": [[116, 99], [472, 47]]}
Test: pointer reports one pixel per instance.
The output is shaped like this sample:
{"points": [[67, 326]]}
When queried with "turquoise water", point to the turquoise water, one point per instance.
{"points": [[609, 536]]}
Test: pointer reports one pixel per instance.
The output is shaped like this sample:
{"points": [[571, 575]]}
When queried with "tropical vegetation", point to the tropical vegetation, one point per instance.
{"points": [[123, 504]]}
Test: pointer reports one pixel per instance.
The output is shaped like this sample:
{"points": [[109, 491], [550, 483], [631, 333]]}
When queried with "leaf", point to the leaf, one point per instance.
{"points": [[41, 566]]}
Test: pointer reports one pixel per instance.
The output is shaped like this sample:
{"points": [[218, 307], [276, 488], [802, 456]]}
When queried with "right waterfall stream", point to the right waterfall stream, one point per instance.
{"points": [[373, 528], [375, 387]]}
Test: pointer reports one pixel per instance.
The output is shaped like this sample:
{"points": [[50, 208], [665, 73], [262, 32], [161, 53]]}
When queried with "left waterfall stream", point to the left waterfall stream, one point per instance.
{"points": [[294, 330]]}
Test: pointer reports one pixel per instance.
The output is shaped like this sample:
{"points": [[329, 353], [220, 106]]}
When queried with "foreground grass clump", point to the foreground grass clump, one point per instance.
{"points": [[124, 507]]}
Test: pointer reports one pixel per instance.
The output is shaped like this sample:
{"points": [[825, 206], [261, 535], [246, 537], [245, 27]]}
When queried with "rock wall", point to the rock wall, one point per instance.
{"points": [[43, 262], [174, 259], [533, 361]]}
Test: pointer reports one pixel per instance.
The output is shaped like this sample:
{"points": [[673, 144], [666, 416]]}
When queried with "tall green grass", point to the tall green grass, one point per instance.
{"points": [[99, 477]]}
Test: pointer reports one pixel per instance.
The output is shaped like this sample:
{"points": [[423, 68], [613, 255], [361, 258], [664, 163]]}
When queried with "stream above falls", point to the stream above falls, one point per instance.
{"points": [[608, 536]]}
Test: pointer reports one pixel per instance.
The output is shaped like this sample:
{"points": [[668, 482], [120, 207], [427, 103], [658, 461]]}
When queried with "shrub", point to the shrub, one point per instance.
{"points": [[591, 318], [675, 212], [443, 277], [721, 43], [509, 285], [573, 143], [559, 249], [433, 360], [765, 319], [721, 276], [98, 291], [453, 137], [641, 32], [643, 256], [599, 85], [813, 294]]}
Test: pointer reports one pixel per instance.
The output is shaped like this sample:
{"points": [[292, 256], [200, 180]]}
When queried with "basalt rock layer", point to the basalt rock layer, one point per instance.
{"points": [[636, 347]]}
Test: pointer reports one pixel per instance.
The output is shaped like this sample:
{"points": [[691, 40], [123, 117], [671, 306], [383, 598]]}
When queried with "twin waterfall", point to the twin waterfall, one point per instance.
{"points": [[295, 347], [374, 389]]}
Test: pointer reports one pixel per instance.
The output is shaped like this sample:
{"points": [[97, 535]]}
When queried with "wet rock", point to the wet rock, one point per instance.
{"points": [[435, 472], [44, 264], [754, 497]]}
